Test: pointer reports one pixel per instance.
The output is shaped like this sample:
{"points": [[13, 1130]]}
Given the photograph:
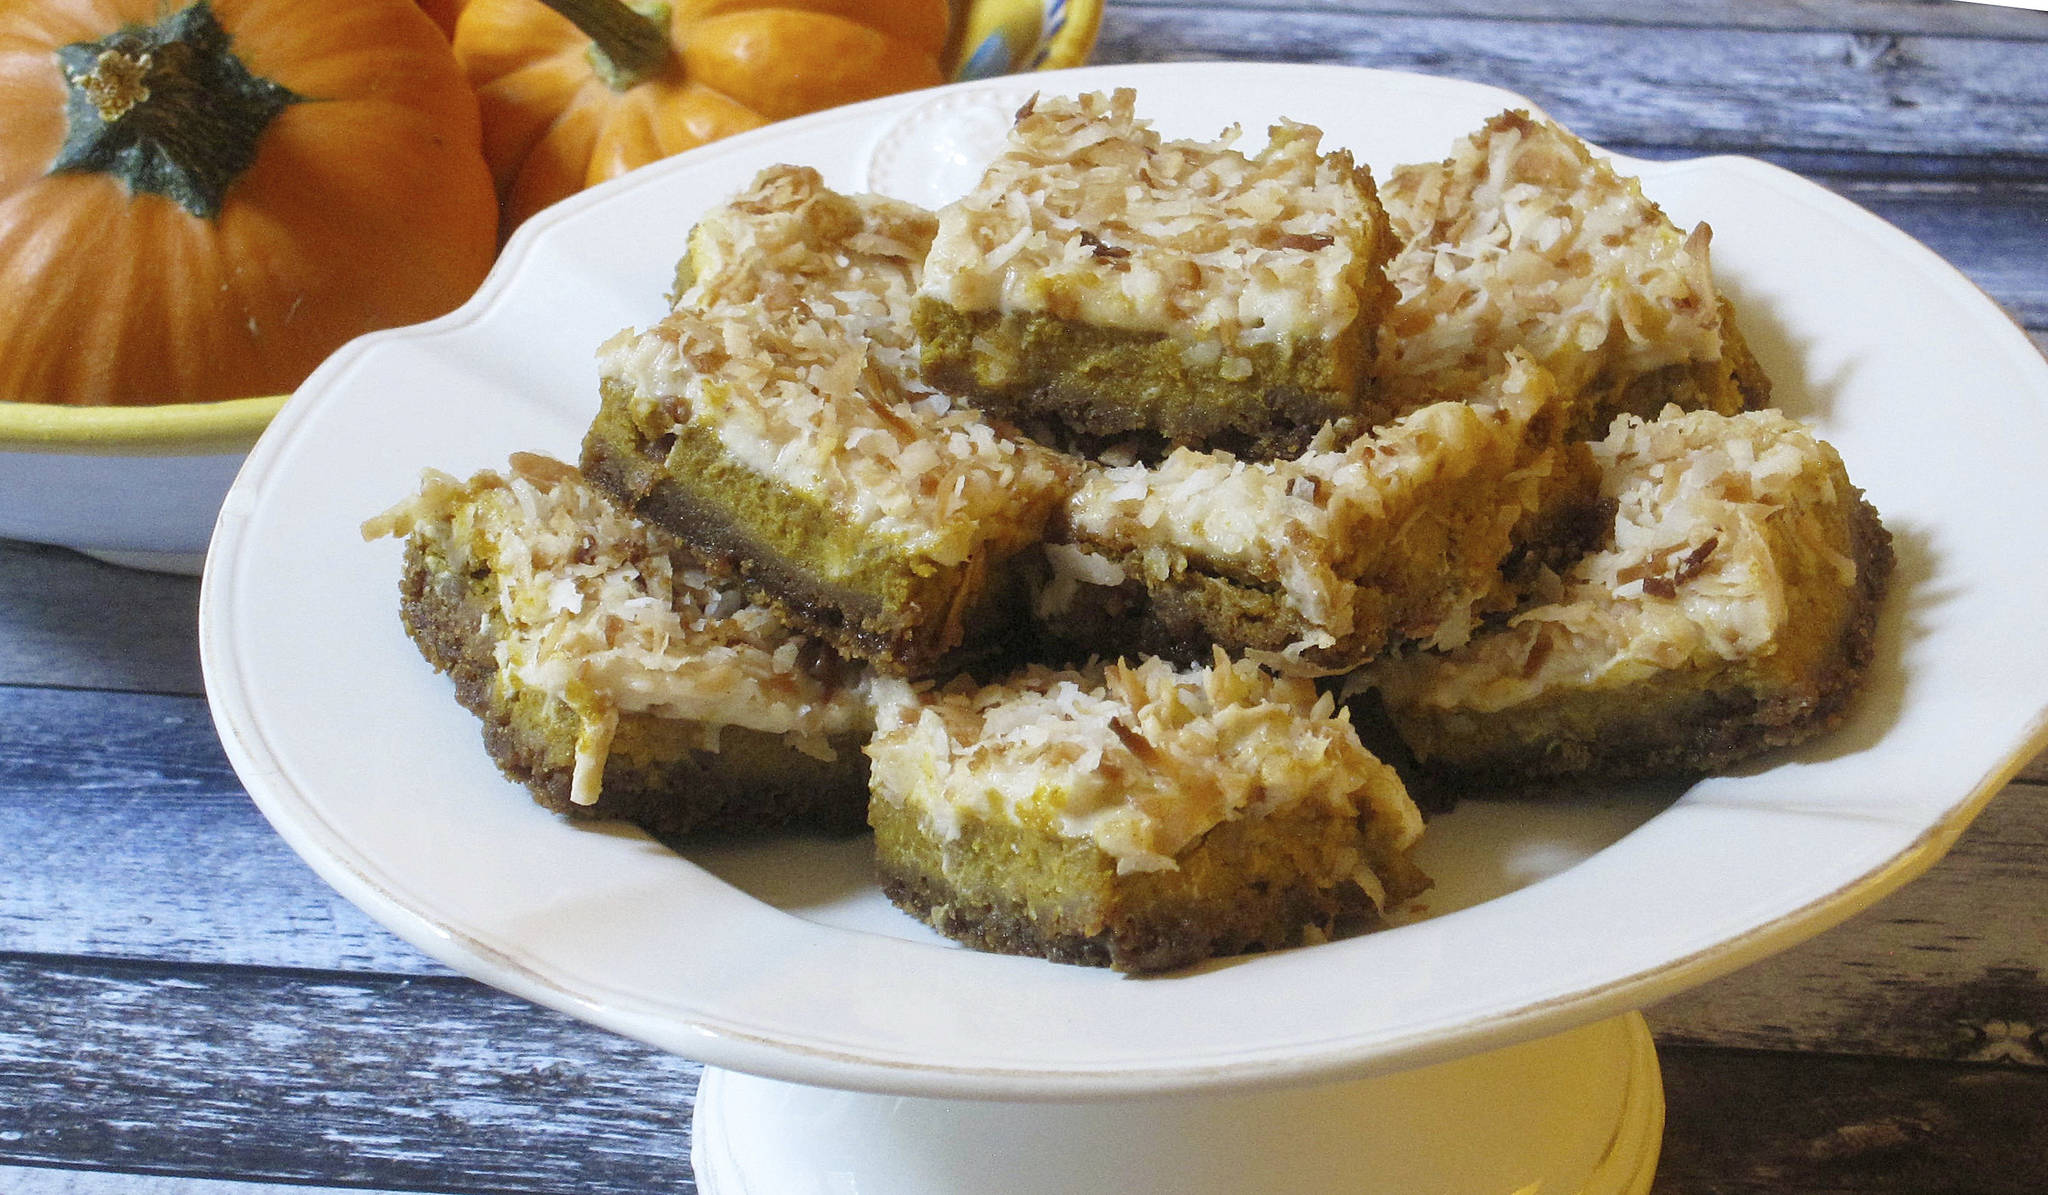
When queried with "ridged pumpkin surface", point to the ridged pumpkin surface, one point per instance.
{"points": [[367, 204], [552, 126]]}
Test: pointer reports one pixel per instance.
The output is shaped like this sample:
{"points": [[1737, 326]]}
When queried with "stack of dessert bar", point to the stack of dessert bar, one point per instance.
{"points": [[1024, 530]]}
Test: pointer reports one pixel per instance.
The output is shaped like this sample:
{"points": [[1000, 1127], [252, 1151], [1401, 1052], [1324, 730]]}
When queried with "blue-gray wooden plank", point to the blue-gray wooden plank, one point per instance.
{"points": [[54, 1180], [69, 620], [387, 1082], [1900, 102], [124, 833], [436, 1086], [1893, 16]]}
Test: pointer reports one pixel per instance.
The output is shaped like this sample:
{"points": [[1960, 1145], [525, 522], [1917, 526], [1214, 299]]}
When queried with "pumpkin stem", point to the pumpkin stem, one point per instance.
{"points": [[116, 83], [166, 108], [628, 38]]}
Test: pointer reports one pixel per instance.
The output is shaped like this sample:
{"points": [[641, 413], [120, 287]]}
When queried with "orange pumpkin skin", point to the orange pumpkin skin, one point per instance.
{"points": [[444, 13], [552, 127], [367, 206]]}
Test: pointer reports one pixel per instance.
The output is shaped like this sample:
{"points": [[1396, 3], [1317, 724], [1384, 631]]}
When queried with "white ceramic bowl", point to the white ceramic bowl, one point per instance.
{"points": [[139, 486]]}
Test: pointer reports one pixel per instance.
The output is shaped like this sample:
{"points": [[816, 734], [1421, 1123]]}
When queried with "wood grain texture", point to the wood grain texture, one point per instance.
{"points": [[2036, 771], [1954, 966], [1949, 105], [385, 1082], [1943, 17], [69, 620], [52, 1180], [434, 1085], [1741, 1123], [124, 833]]}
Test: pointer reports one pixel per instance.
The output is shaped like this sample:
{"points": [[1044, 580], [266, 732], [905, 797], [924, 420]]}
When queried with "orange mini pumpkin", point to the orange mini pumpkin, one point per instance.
{"points": [[203, 203], [569, 103]]}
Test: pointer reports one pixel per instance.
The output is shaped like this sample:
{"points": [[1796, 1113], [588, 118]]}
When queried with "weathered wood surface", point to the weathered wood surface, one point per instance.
{"points": [[72, 622], [1934, 17], [189, 1010], [398, 1081], [1953, 966], [1815, 98], [1742, 1123]]}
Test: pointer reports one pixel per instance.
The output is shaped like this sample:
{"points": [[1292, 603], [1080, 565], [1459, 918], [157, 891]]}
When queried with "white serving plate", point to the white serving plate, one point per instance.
{"points": [[785, 961]]}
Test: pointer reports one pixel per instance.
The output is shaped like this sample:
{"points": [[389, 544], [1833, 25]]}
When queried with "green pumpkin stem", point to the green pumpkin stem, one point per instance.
{"points": [[166, 108], [628, 38]]}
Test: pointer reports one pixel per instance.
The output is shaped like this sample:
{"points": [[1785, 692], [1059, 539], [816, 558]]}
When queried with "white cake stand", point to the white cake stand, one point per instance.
{"points": [[1579, 1112], [1487, 1043]]}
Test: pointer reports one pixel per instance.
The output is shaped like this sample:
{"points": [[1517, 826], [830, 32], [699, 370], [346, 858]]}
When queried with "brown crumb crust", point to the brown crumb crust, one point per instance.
{"points": [[1681, 725], [755, 783], [1266, 921]]}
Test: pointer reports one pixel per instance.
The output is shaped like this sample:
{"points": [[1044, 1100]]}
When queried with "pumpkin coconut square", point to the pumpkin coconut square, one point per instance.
{"points": [[1102, 282], [776, 422], [1139, 816], [613, 675], [1525, 241], [1729, 608], [1414, 531]]}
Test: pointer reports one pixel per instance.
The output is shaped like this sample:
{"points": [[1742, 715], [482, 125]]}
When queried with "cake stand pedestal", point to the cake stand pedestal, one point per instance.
{"points": [[1579, 1113]]}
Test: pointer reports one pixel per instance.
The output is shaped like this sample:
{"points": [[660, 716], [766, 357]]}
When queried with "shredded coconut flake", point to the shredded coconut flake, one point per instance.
{"points": [[1089, 215], [1717, 518], [1522, 239]]}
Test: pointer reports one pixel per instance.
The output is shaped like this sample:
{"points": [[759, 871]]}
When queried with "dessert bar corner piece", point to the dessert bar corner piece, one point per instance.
{"points": [[613, 676], [1525, 240], [1730, 610], [776, 422], [1105, 281], [1318, 563], [1137, 817]]}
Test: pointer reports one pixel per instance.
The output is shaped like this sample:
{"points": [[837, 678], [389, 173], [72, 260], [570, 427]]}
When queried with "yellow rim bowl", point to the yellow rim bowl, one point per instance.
{"points": [[1006, 37], [172, 429]]}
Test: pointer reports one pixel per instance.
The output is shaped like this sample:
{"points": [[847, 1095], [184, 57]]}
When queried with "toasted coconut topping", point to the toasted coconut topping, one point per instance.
{"points": [[1139, 760], [793, 346], [1312, 525], [612, 617], [1721, 524], [1088, 215], [1523, 239]]}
